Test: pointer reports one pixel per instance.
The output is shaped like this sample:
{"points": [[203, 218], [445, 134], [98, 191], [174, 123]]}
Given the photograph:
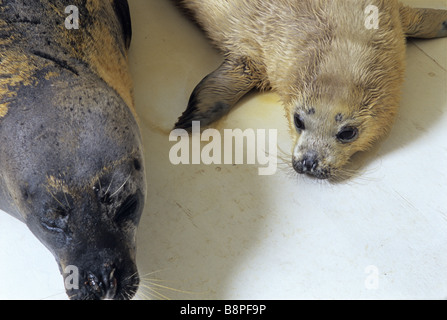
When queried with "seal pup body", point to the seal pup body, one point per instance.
{"points": [[70, 151], [338, 78]]}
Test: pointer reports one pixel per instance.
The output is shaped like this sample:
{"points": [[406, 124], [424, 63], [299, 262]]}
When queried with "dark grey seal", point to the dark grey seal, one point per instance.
{"points": [[70, 146]]}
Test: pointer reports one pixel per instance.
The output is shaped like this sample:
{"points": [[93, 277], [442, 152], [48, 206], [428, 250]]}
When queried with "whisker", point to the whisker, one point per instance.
{"points": [[150, 280], [131, 276], [149, 283], [54, 197], [66, 200], [346, 174], [122, 186], [129, 294], [140, 295], [171, 289], [100, 186], [157, 288], [110, 184], [150, 273], [155, 292], [285, 162], [281, 151], [284, 156]]}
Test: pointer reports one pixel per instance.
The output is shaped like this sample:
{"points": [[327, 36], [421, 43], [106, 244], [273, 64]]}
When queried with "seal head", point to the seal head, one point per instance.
{"points": [[71, 152], [76, 178]]}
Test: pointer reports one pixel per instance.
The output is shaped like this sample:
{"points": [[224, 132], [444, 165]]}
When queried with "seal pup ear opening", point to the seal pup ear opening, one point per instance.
{"points": [[423, 23], [219, 91]]}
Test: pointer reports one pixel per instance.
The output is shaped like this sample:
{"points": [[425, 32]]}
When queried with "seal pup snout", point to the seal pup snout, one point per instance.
{"points": [[310, 164]]}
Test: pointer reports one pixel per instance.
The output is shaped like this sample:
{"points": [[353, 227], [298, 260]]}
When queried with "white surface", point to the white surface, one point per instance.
{"points": [[223, 232]]}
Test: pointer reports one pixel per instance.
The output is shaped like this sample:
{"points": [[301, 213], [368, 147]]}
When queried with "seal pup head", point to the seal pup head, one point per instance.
{"points": [[329, 129], [345, 95], [350, 97]]}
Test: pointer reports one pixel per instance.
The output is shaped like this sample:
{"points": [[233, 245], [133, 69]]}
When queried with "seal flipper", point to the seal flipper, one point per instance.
{"points": [[423, 23], [122, 11], [218, 92]]}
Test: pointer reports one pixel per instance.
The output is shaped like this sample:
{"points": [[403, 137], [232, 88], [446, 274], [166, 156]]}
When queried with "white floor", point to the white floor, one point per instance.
{"points": [[224, 232]]}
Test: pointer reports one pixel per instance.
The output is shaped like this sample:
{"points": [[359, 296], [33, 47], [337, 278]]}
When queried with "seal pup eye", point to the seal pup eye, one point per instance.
{"points": [[299, 123], [348, 134]]}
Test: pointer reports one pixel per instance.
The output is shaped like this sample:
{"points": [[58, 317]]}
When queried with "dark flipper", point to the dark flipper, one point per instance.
{"points": [[218, 92]]}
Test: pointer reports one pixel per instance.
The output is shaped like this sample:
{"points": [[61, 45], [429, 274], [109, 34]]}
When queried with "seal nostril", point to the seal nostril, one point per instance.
{"points": [[93, 282], [309, 165], [110, 284], [315, 165], [103, 286]]}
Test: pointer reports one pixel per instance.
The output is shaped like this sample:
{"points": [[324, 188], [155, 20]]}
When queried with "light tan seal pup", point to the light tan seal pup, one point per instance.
{"points": [[338, 67], [71, 158]]}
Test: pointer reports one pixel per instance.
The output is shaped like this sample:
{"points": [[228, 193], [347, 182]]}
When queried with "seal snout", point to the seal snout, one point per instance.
{"points": [[307, 164], [107, 283], [109, 279], [310, 164]]}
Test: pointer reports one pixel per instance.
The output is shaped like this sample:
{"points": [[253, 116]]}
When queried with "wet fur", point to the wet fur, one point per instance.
{"points": [[326, 66], [70, 152]]}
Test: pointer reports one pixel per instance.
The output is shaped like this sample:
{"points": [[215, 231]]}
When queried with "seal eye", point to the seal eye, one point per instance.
{"points": [[299, 123], [55, 220], [128, 209], [137, 164], [348, 134]]}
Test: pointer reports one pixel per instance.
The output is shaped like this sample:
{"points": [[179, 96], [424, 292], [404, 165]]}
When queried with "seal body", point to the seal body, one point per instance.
{"points": [[338, 67], [70, 151]]}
